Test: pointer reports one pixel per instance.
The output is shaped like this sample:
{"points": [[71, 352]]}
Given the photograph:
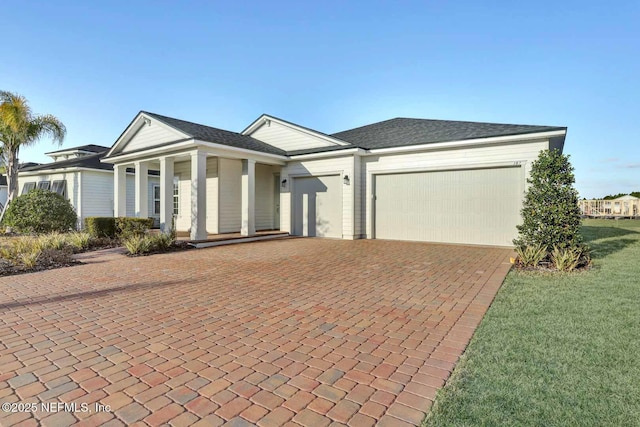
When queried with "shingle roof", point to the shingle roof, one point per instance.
{"points": [[92, 148], [219, 136], [400, 132], [91, 161]]}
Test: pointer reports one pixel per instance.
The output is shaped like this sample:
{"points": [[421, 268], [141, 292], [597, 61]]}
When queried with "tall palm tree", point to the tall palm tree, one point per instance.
{"points": [[19, 127]]}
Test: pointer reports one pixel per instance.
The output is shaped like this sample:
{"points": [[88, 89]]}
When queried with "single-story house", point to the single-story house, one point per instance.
{"points": [[78, 174], [404, 179]]}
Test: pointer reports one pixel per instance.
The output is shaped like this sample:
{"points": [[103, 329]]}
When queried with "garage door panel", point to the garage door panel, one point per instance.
{"points": [[476, 206], [317, 206]]}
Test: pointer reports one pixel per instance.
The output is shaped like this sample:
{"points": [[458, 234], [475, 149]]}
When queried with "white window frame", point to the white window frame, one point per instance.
{"points": [[176, 196], [44, 185], [28, 186], [156, 187], [59, 186]]}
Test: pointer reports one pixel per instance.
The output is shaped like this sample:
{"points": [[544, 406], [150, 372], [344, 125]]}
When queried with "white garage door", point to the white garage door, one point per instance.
{"points": [[475, 206], [317, 206]]}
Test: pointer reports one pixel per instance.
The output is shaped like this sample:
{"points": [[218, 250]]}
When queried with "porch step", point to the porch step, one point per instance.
{"points": [[235, 240]]}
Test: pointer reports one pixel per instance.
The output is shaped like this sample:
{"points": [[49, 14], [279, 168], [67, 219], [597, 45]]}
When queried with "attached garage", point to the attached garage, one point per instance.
{"points": [[317, 206], [470, 206]]}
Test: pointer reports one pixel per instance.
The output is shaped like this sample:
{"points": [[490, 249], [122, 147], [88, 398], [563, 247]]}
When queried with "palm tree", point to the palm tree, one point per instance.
{"points": [[19, 127]]}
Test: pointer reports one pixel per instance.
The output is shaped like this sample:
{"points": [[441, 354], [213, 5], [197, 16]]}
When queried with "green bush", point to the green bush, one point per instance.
{"points": [[100, 226], [23, 250], [137, 244], [161, 242], [530, 256], [550, 213], [127, 227], [40, 211], [78, 240]]}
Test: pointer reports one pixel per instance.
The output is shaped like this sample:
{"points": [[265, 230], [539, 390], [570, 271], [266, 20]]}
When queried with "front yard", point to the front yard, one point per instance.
{"points": [[557, 349]]}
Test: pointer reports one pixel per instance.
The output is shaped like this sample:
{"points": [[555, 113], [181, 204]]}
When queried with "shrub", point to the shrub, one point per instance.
{"points": [[100, 226], [137, 244], [23, 250], [127, 227], [161, 242], [79, 240], [530, 256], [565, 259], [40, 211], [550, 212], [52, 241]]}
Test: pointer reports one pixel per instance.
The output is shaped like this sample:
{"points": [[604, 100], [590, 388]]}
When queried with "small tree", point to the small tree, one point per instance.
{"points": [[550, 213], [40, 211]]}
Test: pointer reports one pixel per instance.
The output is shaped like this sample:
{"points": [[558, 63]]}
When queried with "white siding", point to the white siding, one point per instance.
{"points": [[183, 171], [287, 138], [150, 135], [230, 199], [524, 153], [212, 195], [264, 196], [338, 165], [97, 193]]}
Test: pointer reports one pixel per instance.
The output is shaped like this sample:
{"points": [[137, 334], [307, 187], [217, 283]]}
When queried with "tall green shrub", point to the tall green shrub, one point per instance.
{"points": [[40, 211], [550, 213], [100, 226], [129, 226]]}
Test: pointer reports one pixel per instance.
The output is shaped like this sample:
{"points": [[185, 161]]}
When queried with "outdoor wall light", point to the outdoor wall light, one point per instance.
{"points": [[283, 183], [346, 180], [147, 122]]}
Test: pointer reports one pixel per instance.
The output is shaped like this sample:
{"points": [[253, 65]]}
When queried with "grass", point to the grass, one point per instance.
{"points": [[556, 349]]}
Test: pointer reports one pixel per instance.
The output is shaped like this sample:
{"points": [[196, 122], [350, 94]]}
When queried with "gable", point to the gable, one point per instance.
{"points": [[287, 136], [151, 133]]}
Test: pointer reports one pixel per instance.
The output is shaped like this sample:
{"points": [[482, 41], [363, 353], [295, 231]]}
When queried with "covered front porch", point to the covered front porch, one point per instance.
{"points": [[202, 192]]}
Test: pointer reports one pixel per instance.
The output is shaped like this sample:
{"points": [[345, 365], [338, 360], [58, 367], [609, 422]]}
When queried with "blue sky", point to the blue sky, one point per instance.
{"points": [[334, 65]]}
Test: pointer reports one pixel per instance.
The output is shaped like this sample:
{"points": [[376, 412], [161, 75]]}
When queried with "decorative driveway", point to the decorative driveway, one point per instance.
{"points": [[296, 331]]}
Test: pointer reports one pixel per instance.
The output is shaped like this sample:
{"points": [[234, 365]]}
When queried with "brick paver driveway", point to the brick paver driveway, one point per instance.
{"points": [[298, 331]]}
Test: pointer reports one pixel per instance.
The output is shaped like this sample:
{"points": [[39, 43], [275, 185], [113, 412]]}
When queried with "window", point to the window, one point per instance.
{"points": [[176, 195], [60, 187], [176, 198], [156, 200], [28, 186], [44, 185]]}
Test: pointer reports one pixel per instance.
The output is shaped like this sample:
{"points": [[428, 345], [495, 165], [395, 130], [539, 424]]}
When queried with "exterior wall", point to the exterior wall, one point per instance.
{"points": [[97, 194], [183, 171], [523, 153], [150, 135], [230, 198], [286, 138], [335, 165], [264, 196]]}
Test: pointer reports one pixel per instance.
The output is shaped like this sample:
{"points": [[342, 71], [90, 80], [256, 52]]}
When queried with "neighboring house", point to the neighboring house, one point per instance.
{"points": [[404, 179], [78, 174]]}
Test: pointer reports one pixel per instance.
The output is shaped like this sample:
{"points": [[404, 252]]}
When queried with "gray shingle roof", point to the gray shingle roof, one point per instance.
{"points": [[91, 161], [92, 148], [400, 132], [219, 136]]}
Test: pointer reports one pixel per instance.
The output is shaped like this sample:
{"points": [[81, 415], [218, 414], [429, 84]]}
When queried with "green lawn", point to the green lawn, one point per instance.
{"points": [[557, 349]]}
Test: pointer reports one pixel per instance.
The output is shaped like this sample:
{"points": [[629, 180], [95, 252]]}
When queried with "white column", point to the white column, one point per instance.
{"points": [[198, 196], [119, 190], [142, 189], [248, 227], [166, 193]]}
